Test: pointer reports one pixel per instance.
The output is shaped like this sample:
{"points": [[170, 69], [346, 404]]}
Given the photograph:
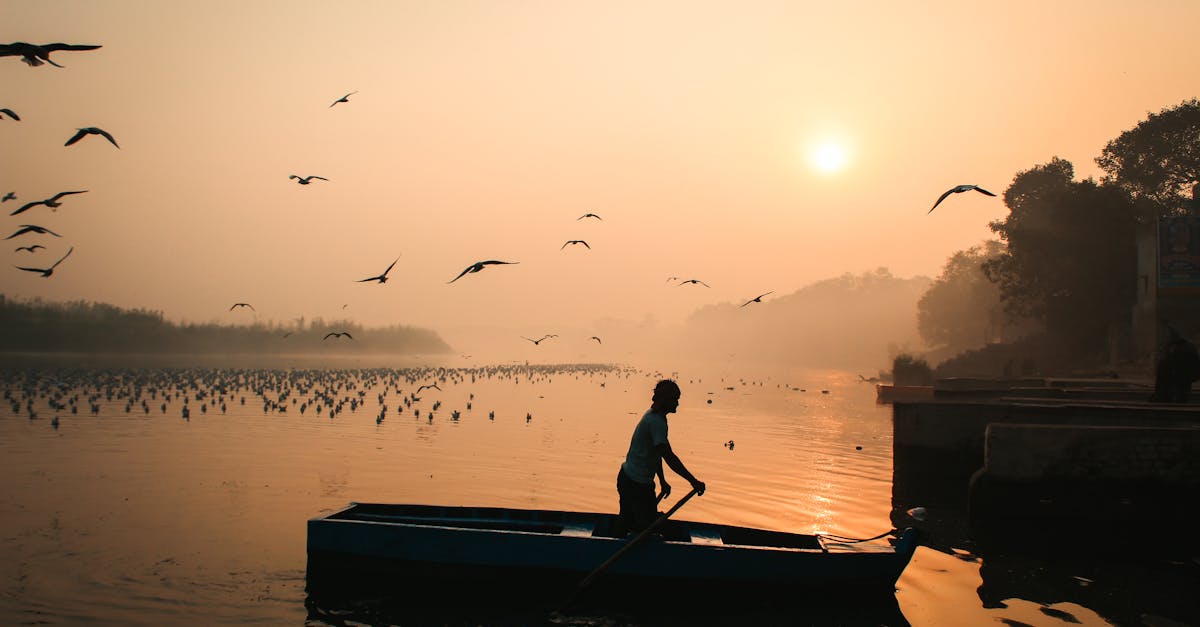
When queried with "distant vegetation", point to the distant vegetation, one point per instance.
{"points": [[1063, 278], [852, 321], [910, 370], [87, 327]]}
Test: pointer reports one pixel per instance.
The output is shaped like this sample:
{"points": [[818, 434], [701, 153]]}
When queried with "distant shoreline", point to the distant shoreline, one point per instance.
{"points": [[55, 359]]}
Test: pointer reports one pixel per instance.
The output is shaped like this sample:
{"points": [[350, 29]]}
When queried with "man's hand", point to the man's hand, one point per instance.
{"points": [[698, 486], [666, 490]]}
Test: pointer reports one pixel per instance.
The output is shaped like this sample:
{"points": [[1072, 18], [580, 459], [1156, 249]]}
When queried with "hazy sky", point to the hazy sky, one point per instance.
{"points": [[482, 130]]}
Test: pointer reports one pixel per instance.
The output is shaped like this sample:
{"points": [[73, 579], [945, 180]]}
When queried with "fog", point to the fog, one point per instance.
{"points": [[767, 147]]}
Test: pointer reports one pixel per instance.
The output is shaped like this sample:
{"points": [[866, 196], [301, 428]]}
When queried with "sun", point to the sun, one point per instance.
{"points": [[828, 157]]}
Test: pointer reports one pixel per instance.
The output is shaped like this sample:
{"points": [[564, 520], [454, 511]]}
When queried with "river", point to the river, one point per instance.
{"points": [[138, 516]]}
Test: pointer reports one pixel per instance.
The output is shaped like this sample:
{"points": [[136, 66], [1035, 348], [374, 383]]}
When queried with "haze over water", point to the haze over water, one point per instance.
{"points": [[148, 518], [758, 147]]}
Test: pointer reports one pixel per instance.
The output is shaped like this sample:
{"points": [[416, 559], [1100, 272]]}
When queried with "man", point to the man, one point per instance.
{"points": [[648, 449], [1178, 367]]}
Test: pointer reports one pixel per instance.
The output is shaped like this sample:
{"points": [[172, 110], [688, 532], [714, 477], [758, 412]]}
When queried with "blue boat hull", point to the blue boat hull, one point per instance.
{"points": [[499, 551]]}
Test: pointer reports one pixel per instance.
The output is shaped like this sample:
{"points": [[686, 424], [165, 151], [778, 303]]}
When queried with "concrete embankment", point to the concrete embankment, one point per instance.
{"points": [[938, 445], [1112, 482]]}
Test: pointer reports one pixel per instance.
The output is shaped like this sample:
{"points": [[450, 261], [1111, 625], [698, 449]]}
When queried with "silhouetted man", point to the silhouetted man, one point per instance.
{"points": [[648, 449], [1178, 367]]}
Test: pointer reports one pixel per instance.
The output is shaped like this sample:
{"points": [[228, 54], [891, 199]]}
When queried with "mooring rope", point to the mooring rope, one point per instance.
{"points": [[845, 540]]}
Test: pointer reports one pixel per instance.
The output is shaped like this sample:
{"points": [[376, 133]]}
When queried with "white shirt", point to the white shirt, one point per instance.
{"points": [[642, 460]]}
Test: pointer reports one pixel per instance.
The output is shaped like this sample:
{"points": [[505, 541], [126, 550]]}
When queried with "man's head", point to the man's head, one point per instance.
{"points": [[666, 396]]}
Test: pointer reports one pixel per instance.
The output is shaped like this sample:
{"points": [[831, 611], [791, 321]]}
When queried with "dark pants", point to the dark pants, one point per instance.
{"points": [[639, 507]]}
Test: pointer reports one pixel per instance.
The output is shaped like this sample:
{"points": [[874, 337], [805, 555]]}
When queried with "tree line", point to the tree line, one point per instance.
{"points": [[847, 322], [90, 327], [1064, 265]]}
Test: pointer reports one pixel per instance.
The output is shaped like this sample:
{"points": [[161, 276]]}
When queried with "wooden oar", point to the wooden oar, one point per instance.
{"points": [[587, 581]]}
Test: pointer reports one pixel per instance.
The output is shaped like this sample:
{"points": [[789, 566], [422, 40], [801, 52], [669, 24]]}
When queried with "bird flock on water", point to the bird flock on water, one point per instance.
{"points": [[335, 394]]}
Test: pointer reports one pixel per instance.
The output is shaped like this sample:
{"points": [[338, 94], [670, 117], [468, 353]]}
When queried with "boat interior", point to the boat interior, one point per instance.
{"points": [[574, 524]]}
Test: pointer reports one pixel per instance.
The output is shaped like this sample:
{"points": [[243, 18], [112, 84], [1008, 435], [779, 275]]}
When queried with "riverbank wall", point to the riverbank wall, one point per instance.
{"points": [[1114, 484], [938, 445]]}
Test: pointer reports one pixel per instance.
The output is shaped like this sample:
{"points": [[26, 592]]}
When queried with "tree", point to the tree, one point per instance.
{"points": [[1159, 159], [961, 309], [1070, 260]]}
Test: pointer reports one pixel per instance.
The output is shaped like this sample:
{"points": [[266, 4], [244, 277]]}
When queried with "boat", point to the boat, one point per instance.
{"points": [[542, 553]]}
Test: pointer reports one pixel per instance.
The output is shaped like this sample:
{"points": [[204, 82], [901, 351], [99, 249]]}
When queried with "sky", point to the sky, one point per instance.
{"points": [[483, 130]]}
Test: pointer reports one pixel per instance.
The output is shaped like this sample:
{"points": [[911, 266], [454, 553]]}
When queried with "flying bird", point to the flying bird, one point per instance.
{"points": [[337, 334], [958, 190], [426, 386], [477, 266], [29, 248], [672, 278], [305, 180], [33, 54], [9, 196], [576, 241], [9, 113], [756, 299], [539, 340], [588, 215], [597, 340], [236, 305], [51, 202], [698, 281], [91, 130], [382, 278], [46, 272], [345, 98], [32, 228]]}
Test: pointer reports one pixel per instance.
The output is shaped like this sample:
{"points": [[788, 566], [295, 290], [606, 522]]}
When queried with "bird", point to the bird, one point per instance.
{"points": [[337, 334], [477, 266], [588, 215], [29, 248], [958, 190], [305, 180], [91, 130], [9, 196], [51, 202], [597, 340], [9, 113], [33, 54], [672, 278], [236, 305], [32, 228], [698, 281], [539, 340], [576, 241], [756, 299], [46, 272], [345, 98], [382, 278], [428, 385]]}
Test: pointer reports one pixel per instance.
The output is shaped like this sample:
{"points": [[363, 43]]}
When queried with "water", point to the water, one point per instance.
{"points": [[149, 518]]}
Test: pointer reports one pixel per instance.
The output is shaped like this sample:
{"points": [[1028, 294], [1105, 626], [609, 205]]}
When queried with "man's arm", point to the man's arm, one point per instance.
{"points": [[664, 488], [674, 462]]}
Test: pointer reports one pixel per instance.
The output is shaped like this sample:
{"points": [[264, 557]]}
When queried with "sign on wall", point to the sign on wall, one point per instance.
{"points": [[1179, 252]]}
